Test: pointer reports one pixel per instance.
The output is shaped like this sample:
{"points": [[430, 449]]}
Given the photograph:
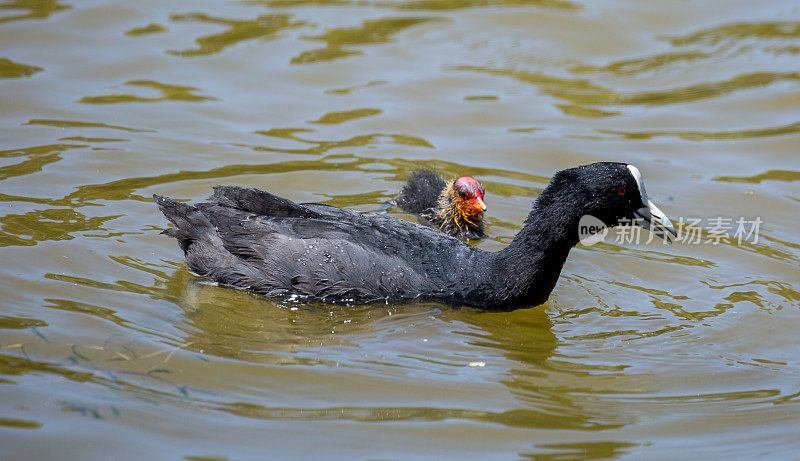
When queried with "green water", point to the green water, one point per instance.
{"points": [[110, 349]]}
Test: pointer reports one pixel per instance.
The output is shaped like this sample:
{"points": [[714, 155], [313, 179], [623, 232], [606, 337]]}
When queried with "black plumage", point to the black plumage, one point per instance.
{"points": [[421, 192], [246, 238]]}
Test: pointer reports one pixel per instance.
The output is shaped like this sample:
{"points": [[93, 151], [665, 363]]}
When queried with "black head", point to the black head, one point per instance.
{"points": [[613, 193]]}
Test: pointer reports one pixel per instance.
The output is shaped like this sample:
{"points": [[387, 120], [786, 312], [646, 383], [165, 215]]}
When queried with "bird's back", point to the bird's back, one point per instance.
{"points": [[252, 239]]}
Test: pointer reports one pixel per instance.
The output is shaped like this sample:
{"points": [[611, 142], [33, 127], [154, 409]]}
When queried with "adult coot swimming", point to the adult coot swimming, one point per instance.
{"points": [[247, 238], [455, 207]]}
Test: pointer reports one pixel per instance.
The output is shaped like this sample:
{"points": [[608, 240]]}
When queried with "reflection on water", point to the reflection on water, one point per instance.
{"points": [[645, 64], [145, 30], [341, 117], [643, 350], [238, 325], [30, 9], [530, 419], [446, 5], [37, 158], [347, 91], [248, 327], [586, 450], [168, 93], [127, 188], [370, 32], [11, 69], [584, 92], [321, 147], [77, 124], [771, 175], [793, 128], [15, 323], [740, 31], [264, 27], [49, 224]]}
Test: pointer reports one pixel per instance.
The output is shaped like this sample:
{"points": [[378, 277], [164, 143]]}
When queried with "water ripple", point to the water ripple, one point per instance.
{"points": [[739, 31], [11, 69], [451, 5], [789, 129], [512, 418], [580, 91], [333, 118], [78, 124], [36, 9], [264, 27], [168, 93], [340, 40], [771, 175]]}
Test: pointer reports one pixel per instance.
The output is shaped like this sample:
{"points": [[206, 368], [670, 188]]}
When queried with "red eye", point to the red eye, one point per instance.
{"points": [[621, 190]]}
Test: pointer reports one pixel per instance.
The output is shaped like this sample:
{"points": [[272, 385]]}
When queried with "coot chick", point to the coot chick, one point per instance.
{"points": [[247, 238], [455, 207]]}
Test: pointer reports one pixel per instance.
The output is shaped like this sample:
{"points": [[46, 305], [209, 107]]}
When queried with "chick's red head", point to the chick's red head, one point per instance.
{"points": [[468, 198]]}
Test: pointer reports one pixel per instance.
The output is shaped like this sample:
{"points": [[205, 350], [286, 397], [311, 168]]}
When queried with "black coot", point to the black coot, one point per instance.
{"points": [[247, 238], [455, 207]]}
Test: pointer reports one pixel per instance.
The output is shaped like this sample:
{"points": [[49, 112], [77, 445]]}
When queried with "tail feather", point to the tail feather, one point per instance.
{"points": [[190, 223], [204, 249]]}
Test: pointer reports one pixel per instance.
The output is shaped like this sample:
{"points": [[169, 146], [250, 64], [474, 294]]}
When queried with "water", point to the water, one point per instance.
{"points": [[111, 349]]}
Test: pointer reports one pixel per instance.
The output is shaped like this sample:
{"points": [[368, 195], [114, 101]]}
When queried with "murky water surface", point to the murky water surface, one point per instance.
{"points": [[109, 348]]}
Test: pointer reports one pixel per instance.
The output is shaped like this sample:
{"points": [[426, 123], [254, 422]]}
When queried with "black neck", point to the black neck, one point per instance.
{"points": [[532, 262]]}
